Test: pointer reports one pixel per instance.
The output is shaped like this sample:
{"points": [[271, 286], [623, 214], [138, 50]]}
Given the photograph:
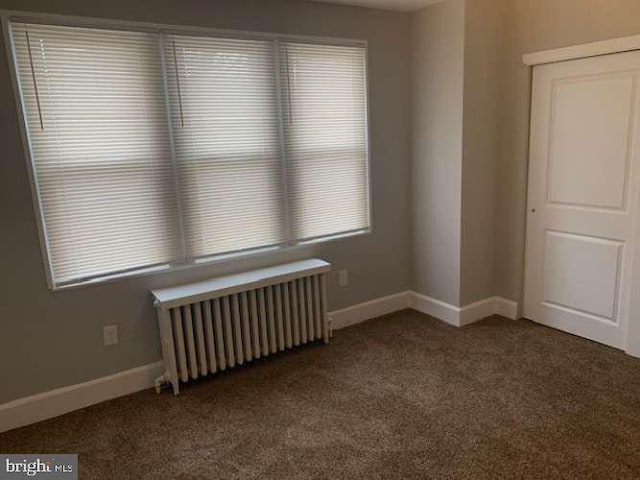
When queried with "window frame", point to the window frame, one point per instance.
{"points": [[9, 16]]}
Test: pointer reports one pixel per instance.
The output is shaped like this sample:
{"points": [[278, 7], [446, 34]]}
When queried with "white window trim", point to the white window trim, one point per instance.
{"points": [[8, 16]]}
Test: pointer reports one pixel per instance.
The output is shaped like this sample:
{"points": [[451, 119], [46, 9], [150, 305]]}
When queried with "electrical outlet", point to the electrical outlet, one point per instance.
{"points": [[110, 334], [343, 278]]}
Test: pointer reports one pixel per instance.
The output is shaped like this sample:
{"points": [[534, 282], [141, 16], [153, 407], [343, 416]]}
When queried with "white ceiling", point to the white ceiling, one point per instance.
{"points": [[403, 5]]}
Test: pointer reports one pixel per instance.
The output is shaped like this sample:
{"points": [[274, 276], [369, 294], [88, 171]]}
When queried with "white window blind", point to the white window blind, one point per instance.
{"points": [[95, 111], [155, 148], [225, 127], [325, 129]]}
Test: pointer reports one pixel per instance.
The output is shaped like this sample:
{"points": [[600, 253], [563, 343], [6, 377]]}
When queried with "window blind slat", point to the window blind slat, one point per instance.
{"points": [[325, 131], [102, 155], [223, 104]]}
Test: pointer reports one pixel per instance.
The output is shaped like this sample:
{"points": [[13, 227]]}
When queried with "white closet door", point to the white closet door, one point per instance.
{"points": [[582, 205]]}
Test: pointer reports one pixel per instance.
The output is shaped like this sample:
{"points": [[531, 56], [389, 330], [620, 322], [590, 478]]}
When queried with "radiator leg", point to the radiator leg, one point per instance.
{"points": [[165, 379], [176, 387], [159, 382]]}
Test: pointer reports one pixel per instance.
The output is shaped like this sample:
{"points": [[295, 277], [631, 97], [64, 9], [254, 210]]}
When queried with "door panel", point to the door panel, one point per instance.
{"points": [[582, 273], [604, 107], [582, 195]]}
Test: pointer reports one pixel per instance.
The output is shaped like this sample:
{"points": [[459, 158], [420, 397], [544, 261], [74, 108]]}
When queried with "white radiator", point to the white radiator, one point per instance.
{"points": [[227, 321]]}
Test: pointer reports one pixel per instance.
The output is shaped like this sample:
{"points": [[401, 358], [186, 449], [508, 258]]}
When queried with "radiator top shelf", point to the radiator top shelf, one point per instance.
{"points": [[238, 282]]}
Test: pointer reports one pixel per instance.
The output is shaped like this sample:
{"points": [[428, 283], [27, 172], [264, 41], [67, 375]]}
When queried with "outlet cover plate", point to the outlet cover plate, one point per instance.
{"points": [[110, 334]]}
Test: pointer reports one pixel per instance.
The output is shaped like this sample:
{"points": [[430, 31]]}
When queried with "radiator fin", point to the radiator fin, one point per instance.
{"points": [[309, 296], [302, 311], [288, 335], [222, 359], [255, 332], [279, 315], [246, 331], [237, 331], [295, 318], [176, 316], [208, 328]]}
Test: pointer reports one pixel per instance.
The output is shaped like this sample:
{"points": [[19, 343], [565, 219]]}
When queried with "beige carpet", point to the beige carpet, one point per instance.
{"points": [[398, 397]]}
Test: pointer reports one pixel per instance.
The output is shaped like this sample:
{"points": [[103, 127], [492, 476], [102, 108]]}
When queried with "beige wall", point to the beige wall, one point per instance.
{"points": [[533, 26], [457, 52], [483, 58], [437, 40], [48, 340]]}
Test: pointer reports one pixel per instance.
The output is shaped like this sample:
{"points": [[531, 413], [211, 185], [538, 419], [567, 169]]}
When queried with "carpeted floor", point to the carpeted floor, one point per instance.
{"points": [[403, 396]]}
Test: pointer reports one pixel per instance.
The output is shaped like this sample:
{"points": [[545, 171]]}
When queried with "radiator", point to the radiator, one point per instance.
{"points": [[220, 323]]}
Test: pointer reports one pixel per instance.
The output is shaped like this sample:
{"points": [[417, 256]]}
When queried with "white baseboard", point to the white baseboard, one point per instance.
{"points": [[507, 308], [461, 316], [436, 308], [456, 316], [368, 310], [477, 311], [28, 410], [35, 408]]}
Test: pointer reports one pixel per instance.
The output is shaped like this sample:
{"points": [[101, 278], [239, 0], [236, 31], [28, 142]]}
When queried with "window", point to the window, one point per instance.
{"points": [[325, 131], [153, 149], [225, 124], [95, 110]]}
